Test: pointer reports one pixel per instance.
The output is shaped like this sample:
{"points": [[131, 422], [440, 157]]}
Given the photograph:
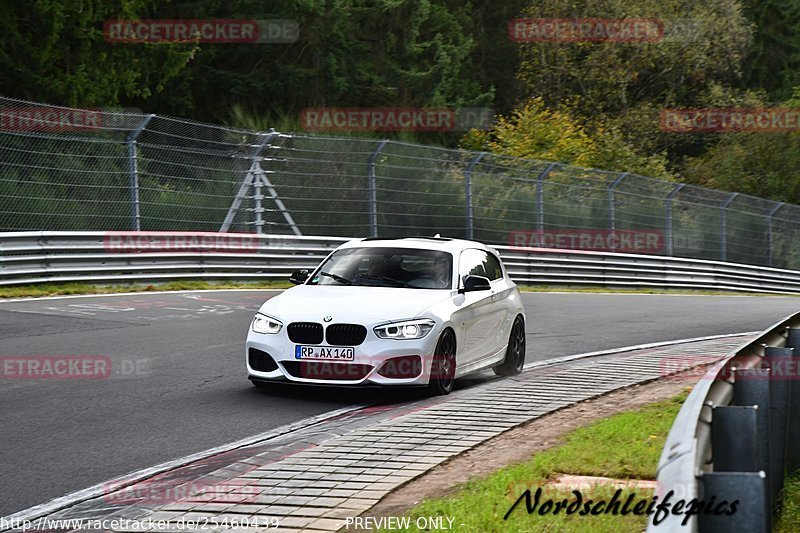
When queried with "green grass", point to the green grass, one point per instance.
{"points": [[626, 445], [624, 290], [789, 520], [55, 289]]}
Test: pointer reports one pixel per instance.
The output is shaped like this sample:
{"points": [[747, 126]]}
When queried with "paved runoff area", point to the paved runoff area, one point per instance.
{"points": [[328, 474]]}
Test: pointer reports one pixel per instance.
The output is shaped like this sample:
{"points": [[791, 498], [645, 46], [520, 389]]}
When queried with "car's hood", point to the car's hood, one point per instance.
{"points": [[360, 305]]}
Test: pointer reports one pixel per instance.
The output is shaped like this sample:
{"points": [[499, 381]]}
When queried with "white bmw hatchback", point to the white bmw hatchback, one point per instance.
{"points": [[415, 311]]}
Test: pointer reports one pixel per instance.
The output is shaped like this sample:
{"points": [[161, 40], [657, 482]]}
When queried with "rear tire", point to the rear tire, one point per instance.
{"points": [[515, 353], [443, 367]]}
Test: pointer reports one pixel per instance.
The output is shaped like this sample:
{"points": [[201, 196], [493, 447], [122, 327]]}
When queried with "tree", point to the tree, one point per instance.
{"points": [[533, 131], [623, 86], [495, 57], [702, 43], [773, 62], [758, 163], [350, 53], [55, 51]]}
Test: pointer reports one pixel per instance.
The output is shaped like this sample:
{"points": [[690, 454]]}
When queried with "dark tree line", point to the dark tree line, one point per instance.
{"points": [[599, 100]]}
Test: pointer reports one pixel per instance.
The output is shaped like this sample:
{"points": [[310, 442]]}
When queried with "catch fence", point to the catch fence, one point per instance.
{"points": [[65, 169]]}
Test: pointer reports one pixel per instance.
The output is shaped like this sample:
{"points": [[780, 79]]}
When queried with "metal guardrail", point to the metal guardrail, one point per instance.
{"points": [[107, 257], [735, 438], [38, 257]]}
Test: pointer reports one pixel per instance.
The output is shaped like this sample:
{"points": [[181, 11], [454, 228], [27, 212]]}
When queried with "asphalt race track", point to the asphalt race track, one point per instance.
{"points": [[177, 384]]}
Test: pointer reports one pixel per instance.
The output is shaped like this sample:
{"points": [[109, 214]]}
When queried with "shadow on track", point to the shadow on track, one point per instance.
{"points": [[359, 394]]}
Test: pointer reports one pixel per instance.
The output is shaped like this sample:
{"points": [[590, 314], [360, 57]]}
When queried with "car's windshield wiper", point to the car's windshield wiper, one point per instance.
{"points": [[382, 278], [336, 277]]}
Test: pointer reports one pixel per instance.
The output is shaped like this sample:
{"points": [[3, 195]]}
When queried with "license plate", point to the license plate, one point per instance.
{"points": [[338, 353]]}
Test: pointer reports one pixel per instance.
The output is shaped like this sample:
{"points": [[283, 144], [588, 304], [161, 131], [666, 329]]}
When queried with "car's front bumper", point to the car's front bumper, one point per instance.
{"points": [[370, 357]]}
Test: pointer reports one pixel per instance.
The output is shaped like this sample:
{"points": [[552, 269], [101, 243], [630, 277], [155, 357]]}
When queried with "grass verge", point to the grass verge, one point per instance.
{"points": [[626, 445], [789, 520], [620, 290], [56, 289]]}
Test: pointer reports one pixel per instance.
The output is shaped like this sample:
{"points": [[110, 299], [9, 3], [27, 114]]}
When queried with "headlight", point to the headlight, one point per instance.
{"points": [[410, 329], [266, 324]]}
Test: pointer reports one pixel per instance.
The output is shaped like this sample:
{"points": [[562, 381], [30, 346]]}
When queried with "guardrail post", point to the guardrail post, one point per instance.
{"points": [[695, 456], [736, 440], [749, 488], [373, 189], [793, 434], [540, 196], [133, 172], [468, 193], [751, 386], [612, 209], [734, 426], [668, 229], [723, 227], [778, 361], [769, 229]]}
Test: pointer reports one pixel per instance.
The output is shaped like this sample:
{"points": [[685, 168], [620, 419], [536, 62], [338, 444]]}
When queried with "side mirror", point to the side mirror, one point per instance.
{"points": [[299, 277], [475, 283]]}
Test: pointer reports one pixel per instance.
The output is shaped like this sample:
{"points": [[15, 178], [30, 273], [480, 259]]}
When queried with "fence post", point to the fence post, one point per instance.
{"points": [[723, 227], [612, 211], [668, 230], [133, 172], [540, 196], [373, 190], [468, 192], [769, 229]]}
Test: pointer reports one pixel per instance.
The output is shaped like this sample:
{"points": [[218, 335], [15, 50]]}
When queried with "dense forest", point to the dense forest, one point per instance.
{"points": [[595, 104]]}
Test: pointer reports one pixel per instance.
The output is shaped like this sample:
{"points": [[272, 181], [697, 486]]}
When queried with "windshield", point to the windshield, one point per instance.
{"points": [[387, 267]]}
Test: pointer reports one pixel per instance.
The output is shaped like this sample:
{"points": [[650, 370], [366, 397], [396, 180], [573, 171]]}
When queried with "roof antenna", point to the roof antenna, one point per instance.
{"points": [[437, 236]]}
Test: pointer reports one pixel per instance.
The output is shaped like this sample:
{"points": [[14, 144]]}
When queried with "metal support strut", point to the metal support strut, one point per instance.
{"points": [[133, 172]]}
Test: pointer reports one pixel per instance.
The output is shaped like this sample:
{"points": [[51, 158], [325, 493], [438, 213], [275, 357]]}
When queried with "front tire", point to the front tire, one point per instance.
{"points": [[515, 353], [443, 367]]}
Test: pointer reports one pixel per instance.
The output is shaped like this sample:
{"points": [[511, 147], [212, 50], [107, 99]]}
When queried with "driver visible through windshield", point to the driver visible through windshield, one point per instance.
{"points": [[387, 267]]}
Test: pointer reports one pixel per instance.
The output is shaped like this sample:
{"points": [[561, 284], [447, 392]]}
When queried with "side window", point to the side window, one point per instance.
{"points": [[471, 263], [492, 267]]}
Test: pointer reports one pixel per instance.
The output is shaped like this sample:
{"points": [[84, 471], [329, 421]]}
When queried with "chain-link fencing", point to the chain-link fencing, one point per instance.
{"points": [[72, 169]]}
